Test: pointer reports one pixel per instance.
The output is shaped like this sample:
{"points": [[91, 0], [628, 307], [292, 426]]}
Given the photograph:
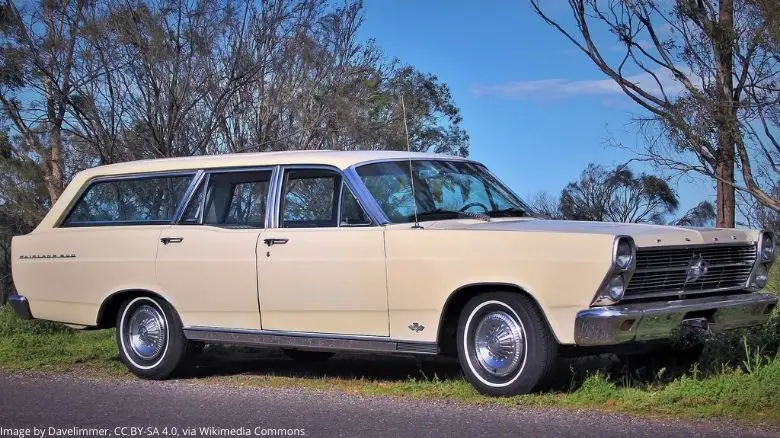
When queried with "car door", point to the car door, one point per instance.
{"points": [[207, 262], [321, 268]]}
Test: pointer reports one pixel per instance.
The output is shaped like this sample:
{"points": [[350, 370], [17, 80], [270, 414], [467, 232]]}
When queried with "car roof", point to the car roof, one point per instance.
{"points": [[338, 159]]}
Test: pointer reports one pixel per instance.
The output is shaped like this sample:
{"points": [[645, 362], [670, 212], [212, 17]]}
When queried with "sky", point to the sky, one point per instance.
{"points": [[537, 111]]}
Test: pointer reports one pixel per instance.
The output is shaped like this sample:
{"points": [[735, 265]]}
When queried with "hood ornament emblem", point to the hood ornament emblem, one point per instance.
{"points": [[697, 268]]}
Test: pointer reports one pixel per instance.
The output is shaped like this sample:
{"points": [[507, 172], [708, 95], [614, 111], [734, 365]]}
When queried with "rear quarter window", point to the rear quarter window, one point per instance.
{"points": [[129, 201]]}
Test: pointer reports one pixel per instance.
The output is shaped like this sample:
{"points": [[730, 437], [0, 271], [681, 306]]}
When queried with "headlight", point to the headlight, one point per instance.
{"points": [[624, 253], [613, 287], [616, 287], [767, 247]]}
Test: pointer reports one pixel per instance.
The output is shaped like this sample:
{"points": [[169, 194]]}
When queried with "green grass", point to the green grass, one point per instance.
{"points": [[46, 346], [737, 376]]}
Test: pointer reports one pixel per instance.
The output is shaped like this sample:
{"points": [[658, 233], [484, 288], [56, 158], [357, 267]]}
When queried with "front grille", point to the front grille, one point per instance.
{"points": [[663, 271]]}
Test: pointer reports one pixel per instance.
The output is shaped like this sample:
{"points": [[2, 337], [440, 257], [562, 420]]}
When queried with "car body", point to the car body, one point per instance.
{"points": [[381, 251]]}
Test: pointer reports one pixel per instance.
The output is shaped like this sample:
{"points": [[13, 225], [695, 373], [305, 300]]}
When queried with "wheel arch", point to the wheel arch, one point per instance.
{"points": [[456, 301], [109, 308]]}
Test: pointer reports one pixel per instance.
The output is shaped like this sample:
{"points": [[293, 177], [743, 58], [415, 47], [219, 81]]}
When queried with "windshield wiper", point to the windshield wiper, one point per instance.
{"points": [[508, 212], [449, 214]]}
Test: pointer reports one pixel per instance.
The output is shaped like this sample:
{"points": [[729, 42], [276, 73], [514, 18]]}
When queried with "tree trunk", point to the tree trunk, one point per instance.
{"points": [[724, 192], [723, 45], [54, 183]]}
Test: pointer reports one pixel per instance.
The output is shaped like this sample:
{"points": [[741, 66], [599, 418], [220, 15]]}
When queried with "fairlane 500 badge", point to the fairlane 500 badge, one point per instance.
{"points": [[48, 256]]}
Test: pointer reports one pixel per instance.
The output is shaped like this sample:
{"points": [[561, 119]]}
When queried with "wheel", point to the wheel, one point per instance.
{"points": [[504, 344], [307, 356], [150, 337]]}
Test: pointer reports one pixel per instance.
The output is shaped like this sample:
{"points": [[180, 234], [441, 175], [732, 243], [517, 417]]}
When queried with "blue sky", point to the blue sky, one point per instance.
{"points": [[537, 110]]}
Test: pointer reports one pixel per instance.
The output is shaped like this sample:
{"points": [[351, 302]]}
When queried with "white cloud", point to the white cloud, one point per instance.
{"points": [[560, 88]]}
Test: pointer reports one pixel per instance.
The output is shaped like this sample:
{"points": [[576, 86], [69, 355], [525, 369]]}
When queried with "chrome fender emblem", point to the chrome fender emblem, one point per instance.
{"points": [[697, 268], [416, 327]]}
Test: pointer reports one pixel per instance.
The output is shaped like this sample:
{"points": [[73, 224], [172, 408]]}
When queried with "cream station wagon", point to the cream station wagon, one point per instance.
{"points": [[386, 252]]}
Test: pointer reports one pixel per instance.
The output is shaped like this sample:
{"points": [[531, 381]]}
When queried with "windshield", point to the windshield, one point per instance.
{"points": [[442, 190]]}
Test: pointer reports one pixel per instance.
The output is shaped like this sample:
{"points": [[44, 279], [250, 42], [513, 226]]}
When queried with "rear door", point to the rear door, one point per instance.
{"points": [[207, 262]]}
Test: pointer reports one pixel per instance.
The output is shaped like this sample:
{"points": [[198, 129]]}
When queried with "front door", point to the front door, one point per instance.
{"points": [[321, 269], [207, 263]]}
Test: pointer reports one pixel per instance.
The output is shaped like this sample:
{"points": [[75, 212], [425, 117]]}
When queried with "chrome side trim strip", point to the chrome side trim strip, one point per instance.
{"points": [[308, 341]]}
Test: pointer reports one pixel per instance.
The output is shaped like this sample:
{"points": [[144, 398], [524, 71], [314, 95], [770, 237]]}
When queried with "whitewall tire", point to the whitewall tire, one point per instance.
{"points": [[150, 338], [504, 344]]}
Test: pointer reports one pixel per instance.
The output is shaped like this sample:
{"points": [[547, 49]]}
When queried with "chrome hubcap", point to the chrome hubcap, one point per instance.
{"points": [[146, 334], [499, 343]]}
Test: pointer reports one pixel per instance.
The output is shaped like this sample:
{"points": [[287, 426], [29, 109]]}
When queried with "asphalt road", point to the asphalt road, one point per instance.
{"points": [[55, 403]]}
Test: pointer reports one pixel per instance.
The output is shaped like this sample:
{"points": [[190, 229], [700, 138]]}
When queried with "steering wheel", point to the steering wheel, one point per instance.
{"points": [[474, 204]]}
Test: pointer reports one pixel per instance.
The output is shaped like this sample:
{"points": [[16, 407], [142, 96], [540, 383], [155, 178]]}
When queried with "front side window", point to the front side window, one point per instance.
{"points": [[130, 201], [310, 198], [442, 190], [352, 214]]}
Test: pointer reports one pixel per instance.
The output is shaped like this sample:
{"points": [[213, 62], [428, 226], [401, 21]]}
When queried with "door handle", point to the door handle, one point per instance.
{"points": [[273, 241], [167, 240]]}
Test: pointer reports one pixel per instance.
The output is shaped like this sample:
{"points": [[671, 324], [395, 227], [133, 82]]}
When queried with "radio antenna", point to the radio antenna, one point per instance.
{"points": [[411, 173]]}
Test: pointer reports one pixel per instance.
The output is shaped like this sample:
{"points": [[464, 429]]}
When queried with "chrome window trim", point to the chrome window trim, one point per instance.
{"points": [[345, 179], [360, 205], [273, 195], [188, 196], [202, 212], [364, 197], [416, 158], [375, 210], [206, 178], [60, 223]]}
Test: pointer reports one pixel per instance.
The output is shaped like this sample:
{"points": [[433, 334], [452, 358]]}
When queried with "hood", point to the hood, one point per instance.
{"points": [[643, 234]]}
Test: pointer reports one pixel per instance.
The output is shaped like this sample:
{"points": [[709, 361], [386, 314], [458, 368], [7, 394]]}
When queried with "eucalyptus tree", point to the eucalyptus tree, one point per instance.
{"points": [[705, 72]]}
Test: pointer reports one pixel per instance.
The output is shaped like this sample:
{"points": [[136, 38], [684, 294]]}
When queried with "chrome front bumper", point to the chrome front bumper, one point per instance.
{"points": [[641, 322], [20, 306]]}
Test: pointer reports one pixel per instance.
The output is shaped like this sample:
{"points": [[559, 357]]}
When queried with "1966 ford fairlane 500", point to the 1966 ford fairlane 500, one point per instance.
{"points": [[318, 252]]}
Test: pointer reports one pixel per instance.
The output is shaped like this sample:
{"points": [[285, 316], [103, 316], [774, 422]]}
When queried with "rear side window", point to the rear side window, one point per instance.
{"points": [[230, 199], [130, 201], [248, 203]]}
